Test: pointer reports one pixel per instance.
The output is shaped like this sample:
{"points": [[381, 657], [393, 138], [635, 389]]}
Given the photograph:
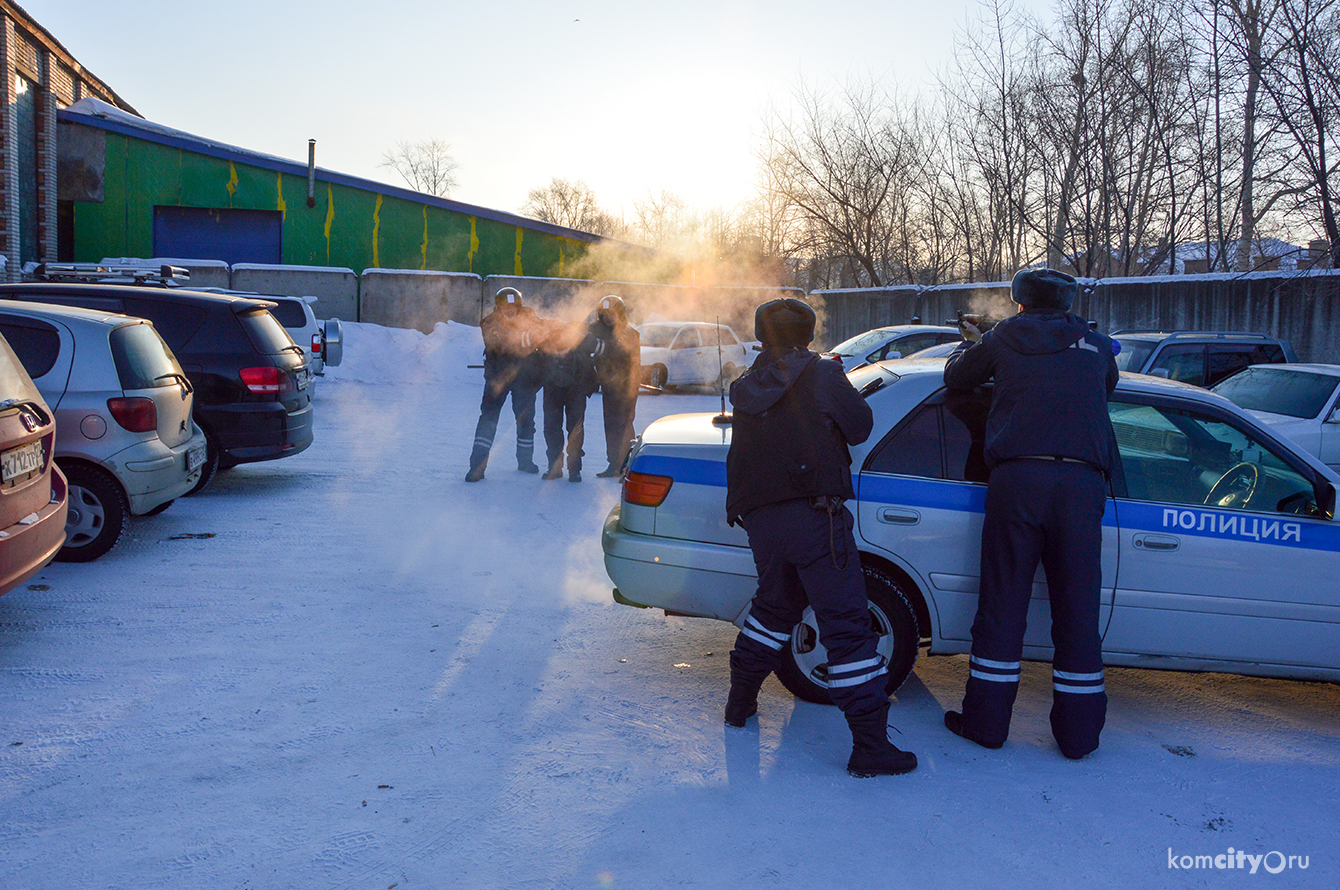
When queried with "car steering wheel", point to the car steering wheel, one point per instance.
{"points": [[1235, 488]]}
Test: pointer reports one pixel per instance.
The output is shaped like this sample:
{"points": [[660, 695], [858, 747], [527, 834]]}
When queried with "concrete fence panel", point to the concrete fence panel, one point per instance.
{"points": [[335, 288], [410, 298]]}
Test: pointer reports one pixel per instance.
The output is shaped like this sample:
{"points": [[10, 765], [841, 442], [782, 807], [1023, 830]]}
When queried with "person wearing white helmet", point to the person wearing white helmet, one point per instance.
{"points": [[619, 367]]}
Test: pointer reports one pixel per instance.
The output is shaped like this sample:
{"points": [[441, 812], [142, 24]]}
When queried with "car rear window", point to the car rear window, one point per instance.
{"points": [[143, 360], [1291, 393], [14, 382], [290, 313], [266, 333], [36, 343]]}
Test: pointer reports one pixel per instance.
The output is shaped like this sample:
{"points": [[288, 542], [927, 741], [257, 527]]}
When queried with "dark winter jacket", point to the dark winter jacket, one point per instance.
{"points": [[510, 341], [618, 357], [1053, 375], [794, 416], [567, 357]]}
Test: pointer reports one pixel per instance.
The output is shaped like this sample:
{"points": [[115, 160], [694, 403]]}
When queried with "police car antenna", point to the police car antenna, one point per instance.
{"points": [[723, 418]]}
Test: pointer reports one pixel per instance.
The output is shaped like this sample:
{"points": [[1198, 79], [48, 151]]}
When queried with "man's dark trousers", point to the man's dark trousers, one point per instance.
{"points": [[1048, 512]]}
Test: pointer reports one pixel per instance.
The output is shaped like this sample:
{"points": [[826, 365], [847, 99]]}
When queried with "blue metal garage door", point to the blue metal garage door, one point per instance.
{"points": [[216, 233]]}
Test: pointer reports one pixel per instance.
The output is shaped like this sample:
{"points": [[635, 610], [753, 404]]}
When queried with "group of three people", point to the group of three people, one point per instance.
{"points": [[524, 353]]}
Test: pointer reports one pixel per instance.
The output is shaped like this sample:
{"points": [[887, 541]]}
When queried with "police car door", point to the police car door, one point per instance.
{"points": [[1219, 559], [922, 499], [685, 357]]}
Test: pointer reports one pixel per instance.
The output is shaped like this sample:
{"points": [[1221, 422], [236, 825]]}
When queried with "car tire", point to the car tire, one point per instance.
{"points": [[657, 375], [210, 466], [97, 514], [804, 660]]}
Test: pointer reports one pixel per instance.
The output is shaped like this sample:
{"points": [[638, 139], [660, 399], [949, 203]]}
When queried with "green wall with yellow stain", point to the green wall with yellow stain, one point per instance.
{"points": [[349, 227]]}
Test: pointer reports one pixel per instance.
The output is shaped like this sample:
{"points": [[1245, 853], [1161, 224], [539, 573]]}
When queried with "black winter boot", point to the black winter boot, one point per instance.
{"points": [[872, 754], [742, 703]]}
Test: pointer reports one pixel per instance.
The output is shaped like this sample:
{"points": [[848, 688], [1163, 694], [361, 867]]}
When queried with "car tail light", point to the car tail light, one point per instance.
{"points": [[646, 490], [269, 381], [316, 344], [136, 415]]}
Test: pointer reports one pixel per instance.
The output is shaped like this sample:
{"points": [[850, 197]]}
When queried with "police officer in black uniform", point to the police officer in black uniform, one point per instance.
{"points": [[567, 353], [511, 336], [1050, 447], [619, 366], [788, 472]]}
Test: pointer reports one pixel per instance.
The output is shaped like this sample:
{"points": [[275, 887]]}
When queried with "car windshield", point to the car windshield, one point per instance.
{"points": [[659, 335], [143, 360], [1133, 355], [861, 343], [1291, 393]]}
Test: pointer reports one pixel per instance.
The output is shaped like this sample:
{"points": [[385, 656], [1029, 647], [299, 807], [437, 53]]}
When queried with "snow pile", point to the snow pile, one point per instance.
{"points": [[396, 356]]}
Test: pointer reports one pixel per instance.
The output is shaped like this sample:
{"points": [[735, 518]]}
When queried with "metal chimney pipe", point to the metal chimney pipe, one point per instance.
{"points": [[311, 172]]}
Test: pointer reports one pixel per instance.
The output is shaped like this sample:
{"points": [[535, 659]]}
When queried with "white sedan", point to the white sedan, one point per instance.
{"points": [[1301, 401], [684, 353], [1220, 544]]}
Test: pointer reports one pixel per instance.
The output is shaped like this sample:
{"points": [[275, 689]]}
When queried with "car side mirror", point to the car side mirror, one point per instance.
{"points": [[1334, 416], [895, 354], [1325, 499], [1160, 372]]}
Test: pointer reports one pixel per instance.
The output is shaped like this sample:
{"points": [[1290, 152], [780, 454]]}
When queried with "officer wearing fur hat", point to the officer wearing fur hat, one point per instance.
{"points": [[788, 473], [1050, 447], [511, 333]]}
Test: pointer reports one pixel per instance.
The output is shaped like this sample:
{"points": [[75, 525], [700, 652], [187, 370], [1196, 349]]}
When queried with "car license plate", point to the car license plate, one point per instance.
{"points": [[19, 461], [194, 458], [302, 376]]}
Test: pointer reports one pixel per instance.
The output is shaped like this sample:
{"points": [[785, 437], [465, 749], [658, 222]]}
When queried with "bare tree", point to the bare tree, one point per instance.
{"points": [[573, 204], [427, 166]]}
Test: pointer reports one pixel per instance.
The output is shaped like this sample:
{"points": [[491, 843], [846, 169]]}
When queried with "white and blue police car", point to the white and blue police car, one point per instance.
{"points": [[1220, 545]]}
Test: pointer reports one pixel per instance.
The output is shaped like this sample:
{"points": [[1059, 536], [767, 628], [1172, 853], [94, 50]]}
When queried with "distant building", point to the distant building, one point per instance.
{"points": [[40, 77], [1197, 258]]}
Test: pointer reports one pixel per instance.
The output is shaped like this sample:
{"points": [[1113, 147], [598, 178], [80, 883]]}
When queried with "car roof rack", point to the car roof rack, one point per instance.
{"points": [[1197, 335], [104, 272]]}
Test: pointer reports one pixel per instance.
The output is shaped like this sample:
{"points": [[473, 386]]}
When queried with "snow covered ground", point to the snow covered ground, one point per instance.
{"points": [[350, 669]]}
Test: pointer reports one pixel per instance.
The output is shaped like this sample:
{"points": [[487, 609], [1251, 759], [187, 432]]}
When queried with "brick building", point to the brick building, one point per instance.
{"points": [[40, 77]]}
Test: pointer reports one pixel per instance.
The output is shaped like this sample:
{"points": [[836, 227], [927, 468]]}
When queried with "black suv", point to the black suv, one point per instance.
{"points": [[251, 380], [1202, 358]]}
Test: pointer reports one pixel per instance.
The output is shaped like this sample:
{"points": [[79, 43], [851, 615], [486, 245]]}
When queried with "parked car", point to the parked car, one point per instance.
{"points": [[1301, 401], [686, 353], [1201, 358], [1220, 544], [894, 341], [125, 439], [33, 493], [322, 340], [250, 378]]}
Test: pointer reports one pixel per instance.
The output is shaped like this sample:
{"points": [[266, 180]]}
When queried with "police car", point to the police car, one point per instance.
{"points": [[1220, 544]]}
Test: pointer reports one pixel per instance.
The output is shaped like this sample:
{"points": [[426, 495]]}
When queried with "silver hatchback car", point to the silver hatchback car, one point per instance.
{"points": [[125, 439]]}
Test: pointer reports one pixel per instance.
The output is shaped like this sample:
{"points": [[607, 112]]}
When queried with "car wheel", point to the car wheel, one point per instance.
{"points": [[804, 666], [210, 466], [657, 376], [96, 517]]}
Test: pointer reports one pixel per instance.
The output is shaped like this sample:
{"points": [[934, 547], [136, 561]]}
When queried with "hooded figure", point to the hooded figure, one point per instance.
{"points": [[618, 358], [1050, 448], [788, 473]]}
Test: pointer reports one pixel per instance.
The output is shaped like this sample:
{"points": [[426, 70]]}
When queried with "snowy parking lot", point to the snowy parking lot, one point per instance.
{"points": [[350, 669]]}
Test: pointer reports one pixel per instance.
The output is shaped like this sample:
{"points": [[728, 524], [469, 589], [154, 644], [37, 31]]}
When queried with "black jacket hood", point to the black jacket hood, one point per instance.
{"points": [[772, 375]]}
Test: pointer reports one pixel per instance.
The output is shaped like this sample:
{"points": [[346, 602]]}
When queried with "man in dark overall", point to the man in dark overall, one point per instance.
{"points": [[511, 335], [1050, 447], [619, 367], [569, 379], [788, 472]]}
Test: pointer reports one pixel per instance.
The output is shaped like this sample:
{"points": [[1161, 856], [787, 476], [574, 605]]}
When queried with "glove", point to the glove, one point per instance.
{"points": [[970, 331]]}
